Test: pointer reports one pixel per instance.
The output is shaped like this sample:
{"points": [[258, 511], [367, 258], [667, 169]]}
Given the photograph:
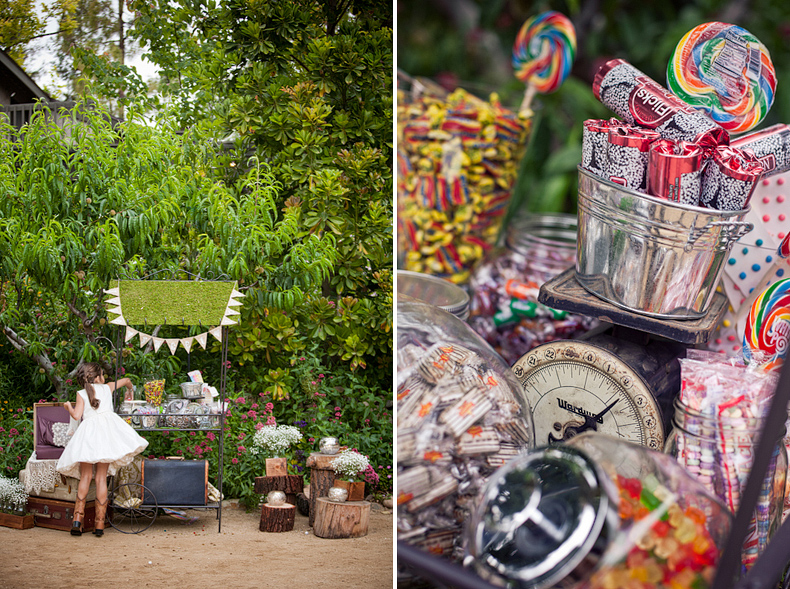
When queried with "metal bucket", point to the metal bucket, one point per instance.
{"points": [[648, 255]]}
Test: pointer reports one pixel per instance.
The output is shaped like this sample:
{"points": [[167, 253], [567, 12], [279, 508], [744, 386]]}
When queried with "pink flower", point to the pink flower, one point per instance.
{"points": [[241, 449], [320, 376], [269, 407], [311, 440], [271, 421], [234, 460], [13, 432], [211, 436], [240, 400], [192, 433], [337, 408], [337, 414], [244, 417], [242, 435], [258, 425], [252, 414], [254, 406], [2, 429]]}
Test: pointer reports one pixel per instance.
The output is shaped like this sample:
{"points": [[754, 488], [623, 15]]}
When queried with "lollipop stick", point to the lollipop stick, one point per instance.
{"points": [[529, 93]]}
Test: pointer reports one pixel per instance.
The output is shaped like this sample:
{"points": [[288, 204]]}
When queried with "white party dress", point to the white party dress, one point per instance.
{"points": [[101, 437]]}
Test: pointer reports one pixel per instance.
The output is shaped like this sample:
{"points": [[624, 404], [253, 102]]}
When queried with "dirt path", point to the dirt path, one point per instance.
{"points": [[174, 555]]}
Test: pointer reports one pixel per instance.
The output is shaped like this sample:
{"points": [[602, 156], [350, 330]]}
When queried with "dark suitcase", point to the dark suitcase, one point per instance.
{"points": [[175, 482], [58, 515]]}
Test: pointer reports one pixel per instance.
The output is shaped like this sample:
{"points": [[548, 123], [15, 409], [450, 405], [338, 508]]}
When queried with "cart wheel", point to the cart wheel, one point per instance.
{"points": [[127, 514]]}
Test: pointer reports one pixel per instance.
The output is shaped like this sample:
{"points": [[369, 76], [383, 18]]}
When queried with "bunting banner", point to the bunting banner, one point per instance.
{"points": [[114, 307]]}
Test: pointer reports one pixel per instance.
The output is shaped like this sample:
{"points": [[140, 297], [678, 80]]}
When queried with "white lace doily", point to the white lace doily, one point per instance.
{"points": [[41, 475]]}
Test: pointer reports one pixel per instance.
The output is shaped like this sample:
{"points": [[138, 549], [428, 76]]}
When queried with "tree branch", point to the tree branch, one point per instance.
{"points": [[42, 360]]}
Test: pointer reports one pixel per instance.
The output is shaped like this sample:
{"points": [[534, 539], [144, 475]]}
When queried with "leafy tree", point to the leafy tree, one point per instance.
{"points": [[87, 202], [19, 23], [306, 87]]}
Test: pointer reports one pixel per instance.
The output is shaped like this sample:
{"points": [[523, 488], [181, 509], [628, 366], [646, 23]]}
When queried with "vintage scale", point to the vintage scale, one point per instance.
{"points": [[620, 379]]}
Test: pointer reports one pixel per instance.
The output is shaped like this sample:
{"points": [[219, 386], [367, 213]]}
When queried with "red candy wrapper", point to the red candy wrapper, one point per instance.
{"points": [[729, 179], [771, 146], [595, 141], [674, 171], [627, 153], [640, 100]]}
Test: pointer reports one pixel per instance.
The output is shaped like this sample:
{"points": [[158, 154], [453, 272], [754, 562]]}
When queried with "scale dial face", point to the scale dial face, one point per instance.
{"points": [[575, 386]]}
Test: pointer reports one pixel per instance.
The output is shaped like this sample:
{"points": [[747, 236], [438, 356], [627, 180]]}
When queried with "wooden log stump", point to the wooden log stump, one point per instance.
{"points": [[276, 467], [322, 477], [277, 518], [341, 520], [303, 504], [289, 484]]}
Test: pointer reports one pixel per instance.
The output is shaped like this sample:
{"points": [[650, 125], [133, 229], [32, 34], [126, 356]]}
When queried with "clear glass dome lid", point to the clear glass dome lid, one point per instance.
{"points": [[433, 291]]}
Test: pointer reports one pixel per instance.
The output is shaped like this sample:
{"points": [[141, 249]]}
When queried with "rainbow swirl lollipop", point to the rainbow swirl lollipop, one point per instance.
{"points": [[543, 53], [768, 325], [724, 71]]}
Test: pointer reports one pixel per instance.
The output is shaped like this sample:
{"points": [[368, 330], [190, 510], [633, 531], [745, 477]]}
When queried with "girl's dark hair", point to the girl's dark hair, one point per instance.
{"points": [[85, 377]]}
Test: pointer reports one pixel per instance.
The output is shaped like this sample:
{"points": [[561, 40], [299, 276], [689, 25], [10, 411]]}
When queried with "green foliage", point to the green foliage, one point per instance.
{"points": [[88, 202], [16, 438]]}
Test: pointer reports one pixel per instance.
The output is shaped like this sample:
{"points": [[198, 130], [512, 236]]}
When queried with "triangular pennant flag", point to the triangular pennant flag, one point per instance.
{"points": [[116, 311], [158, 341], [230, 311], [216, 332], [236, 293], [172, 343], [187, 343], [234, 303], [115, 292], [227, 321], [119, 320], [130, 333], [113, 301], [201, 339], [144, 338]]}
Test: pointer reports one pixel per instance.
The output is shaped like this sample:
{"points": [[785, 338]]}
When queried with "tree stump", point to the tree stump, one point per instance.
{"points": [[303, 504], [289, 484], [277, 518], [341, 520], [276, 466], [322, 477]]}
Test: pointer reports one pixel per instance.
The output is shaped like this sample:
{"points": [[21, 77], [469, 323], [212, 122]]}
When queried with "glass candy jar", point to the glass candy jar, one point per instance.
{"points": [[461, 415], [505, 286], [718, 451], [596, 512]]}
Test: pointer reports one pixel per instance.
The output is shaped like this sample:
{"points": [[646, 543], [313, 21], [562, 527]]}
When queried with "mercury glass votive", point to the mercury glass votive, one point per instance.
{"points": [[329, 446], [275, 498], [337, 494]]}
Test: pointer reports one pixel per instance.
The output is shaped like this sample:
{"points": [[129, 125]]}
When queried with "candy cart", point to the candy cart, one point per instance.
{"points": [[201, 309]]}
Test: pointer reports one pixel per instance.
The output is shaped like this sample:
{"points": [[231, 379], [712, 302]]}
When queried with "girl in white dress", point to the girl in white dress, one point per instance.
{"points": [[103, 440]]}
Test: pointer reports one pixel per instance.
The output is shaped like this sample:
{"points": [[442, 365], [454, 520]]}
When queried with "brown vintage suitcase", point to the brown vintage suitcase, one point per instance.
{"points": [[58, 515]]}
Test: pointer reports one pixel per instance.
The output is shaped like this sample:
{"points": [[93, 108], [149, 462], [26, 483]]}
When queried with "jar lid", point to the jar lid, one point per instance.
{"points": [[433, 291], [542, 518]]}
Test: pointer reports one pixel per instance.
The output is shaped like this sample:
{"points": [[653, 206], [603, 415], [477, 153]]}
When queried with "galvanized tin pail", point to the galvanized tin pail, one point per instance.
{"points": [[648, 255]]}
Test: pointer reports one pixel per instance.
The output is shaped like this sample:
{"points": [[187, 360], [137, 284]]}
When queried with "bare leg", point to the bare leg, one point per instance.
{"points": [[86, 474]]}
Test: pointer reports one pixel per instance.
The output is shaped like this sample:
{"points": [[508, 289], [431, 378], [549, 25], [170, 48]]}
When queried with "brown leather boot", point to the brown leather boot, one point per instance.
{"points": [[79, 516], [101, 512]]}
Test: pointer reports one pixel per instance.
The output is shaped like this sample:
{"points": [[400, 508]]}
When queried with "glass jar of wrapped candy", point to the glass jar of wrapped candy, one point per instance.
{"points": [[718, 451], [596, 513], [461, 414], [504, 286]]}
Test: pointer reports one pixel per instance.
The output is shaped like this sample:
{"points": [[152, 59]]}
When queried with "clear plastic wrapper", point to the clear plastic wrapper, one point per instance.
{"points": [[599, 513], [505, 286], [461, 415]]}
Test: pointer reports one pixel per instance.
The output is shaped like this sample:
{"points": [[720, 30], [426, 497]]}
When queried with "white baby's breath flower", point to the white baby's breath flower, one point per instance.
{"points": [[275, 439], [350, 465]]}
